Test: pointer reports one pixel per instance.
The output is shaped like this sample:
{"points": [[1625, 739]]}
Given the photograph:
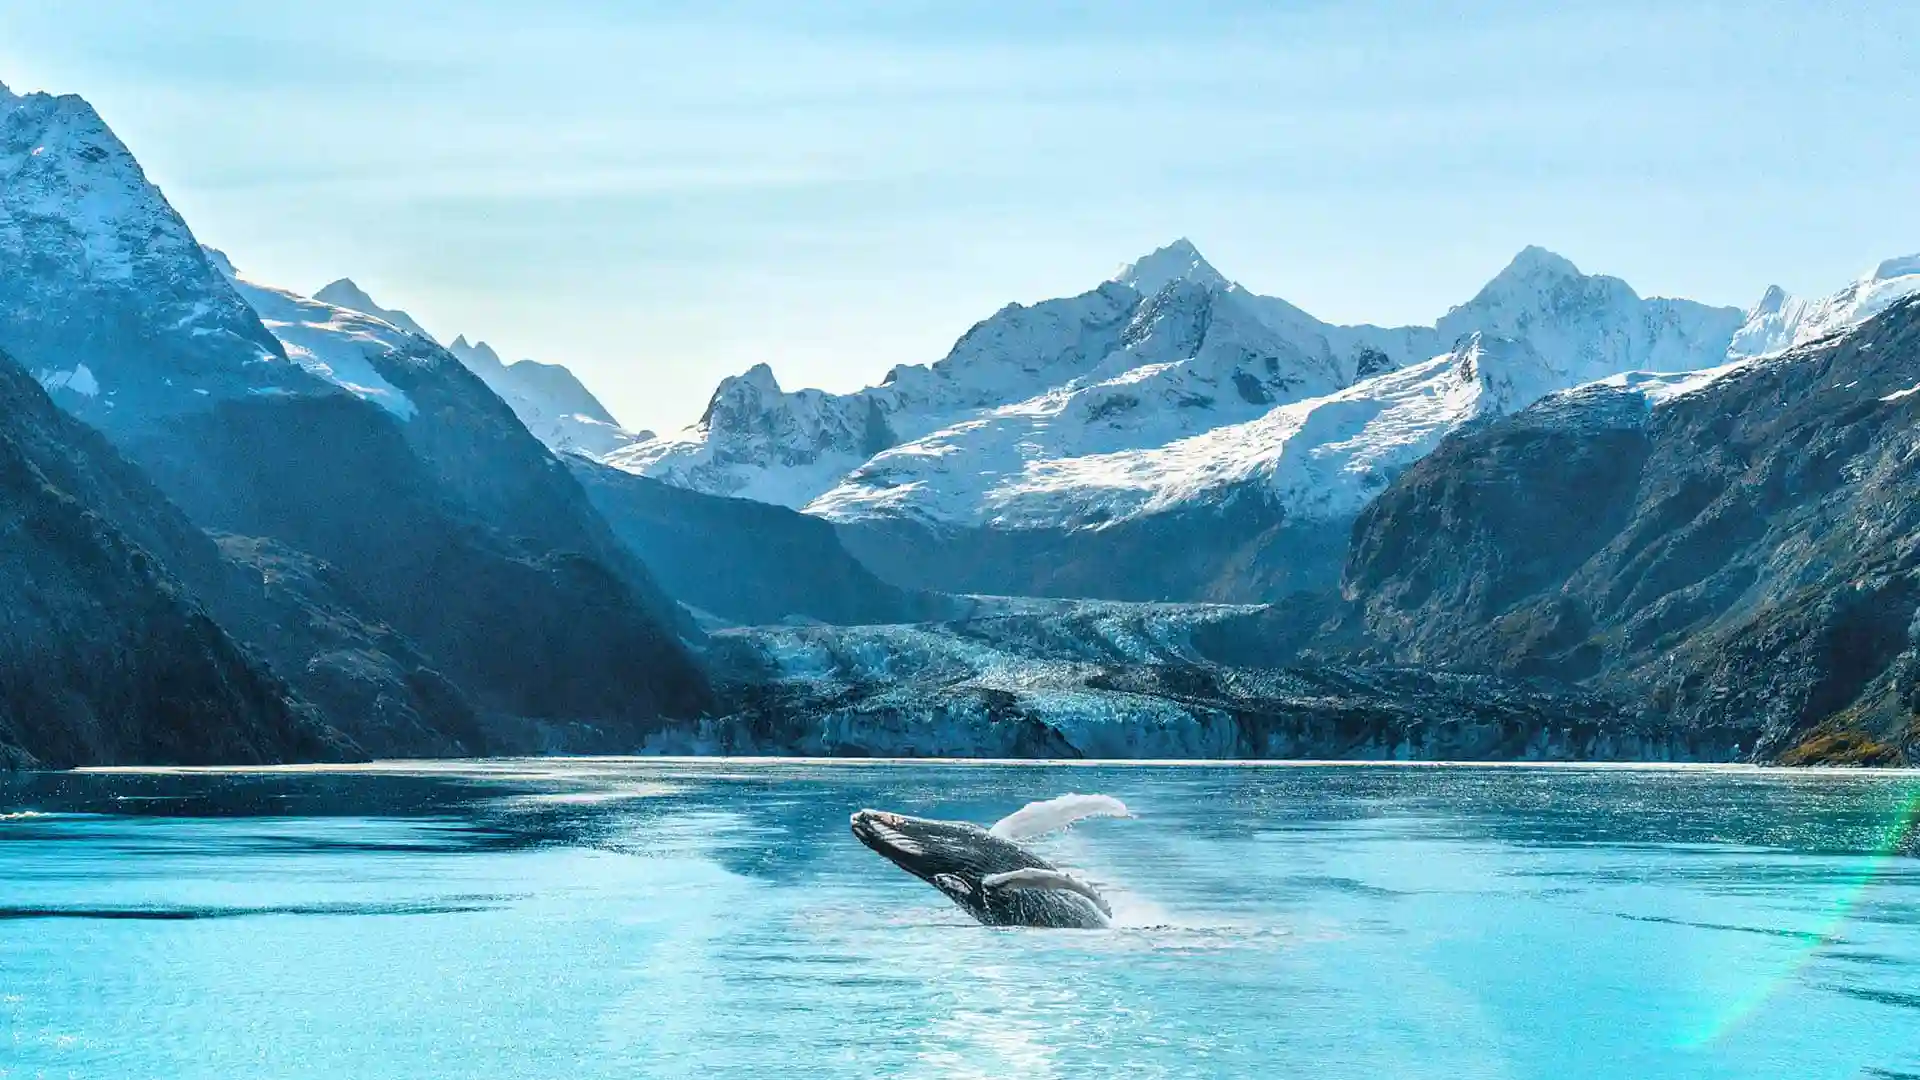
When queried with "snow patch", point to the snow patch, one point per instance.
{"points": [[332, 342], [80, 380]]}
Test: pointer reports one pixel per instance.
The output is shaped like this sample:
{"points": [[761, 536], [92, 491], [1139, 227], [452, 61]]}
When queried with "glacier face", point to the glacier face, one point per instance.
{"points": [[1021, 678]]}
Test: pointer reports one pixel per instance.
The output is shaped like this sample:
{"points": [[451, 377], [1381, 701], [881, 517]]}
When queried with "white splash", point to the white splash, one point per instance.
{"points": [[1052, 815]]}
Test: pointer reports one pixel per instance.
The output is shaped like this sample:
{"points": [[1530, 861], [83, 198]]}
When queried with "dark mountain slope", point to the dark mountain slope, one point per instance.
{"points": [[105, 657], [368, 681], [553, 635], [1243, 550], [744, 561], [1746, 554], [474, 445]]}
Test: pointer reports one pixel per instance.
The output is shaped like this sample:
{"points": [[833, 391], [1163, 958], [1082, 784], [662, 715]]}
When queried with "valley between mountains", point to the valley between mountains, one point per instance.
{"points": [[1166, 517]]}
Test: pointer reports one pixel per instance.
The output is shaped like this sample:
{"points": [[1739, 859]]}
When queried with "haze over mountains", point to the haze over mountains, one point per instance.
{"points": [[1563, 520]]}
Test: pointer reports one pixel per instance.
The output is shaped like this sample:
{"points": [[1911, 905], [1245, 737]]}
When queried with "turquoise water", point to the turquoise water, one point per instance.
{"points": [[661, 918]]}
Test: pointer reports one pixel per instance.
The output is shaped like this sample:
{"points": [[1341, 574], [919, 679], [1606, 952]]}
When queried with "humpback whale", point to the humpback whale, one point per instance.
{"points": [[985, 871]]}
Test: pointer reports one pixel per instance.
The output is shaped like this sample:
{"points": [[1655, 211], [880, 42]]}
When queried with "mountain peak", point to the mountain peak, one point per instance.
{"points": [[1533, 274], [1771, 301], [1178, 261], [219, 261], [345, 294], [88, 230], [479, 356], [760, 376], [1536, 261]]}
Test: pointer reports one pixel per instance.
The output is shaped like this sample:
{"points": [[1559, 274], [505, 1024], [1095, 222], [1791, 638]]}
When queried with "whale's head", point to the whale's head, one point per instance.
{"points": [[952, 856]]}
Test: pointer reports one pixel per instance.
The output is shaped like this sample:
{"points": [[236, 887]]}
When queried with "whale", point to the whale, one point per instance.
{"points": [[986, 872]]}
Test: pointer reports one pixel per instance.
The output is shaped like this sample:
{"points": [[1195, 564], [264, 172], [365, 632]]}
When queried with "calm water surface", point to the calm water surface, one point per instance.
{"points": [[583, 919]]}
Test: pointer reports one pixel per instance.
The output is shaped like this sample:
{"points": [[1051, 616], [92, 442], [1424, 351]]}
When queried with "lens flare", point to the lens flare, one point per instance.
{"points": [[1889, 845]]}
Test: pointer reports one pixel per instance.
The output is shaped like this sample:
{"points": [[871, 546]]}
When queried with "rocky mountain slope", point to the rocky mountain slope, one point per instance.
{"points": [[105, 654], [1738, 547], [736, 562], [360, 460]]}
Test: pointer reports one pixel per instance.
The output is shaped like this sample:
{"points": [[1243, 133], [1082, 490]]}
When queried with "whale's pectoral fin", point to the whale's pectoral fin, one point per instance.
{"points": [[1052, 815], [1046, 880]]}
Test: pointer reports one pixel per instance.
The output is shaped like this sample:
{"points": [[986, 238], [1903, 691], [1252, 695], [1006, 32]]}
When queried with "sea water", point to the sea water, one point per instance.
{"points": [[649, 918]]}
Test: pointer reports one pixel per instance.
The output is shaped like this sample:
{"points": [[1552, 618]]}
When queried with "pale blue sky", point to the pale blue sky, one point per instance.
{"points": [[662, 194]]}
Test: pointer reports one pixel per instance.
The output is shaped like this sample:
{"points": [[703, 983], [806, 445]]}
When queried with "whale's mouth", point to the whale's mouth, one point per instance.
{"points": [[887, 834]]}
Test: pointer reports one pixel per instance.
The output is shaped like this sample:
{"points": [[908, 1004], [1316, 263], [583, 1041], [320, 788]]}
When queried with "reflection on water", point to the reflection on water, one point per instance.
{"points": [[661, 918]]}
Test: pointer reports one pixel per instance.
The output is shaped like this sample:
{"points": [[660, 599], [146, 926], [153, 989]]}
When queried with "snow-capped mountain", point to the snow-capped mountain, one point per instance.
{"points": [[1178, 261], [554, 405], [1152, 401], [335, 343], [1780, 321], [107, 297], [1321, 457], [759, 441], [1192, 358], [1591, 325]]}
